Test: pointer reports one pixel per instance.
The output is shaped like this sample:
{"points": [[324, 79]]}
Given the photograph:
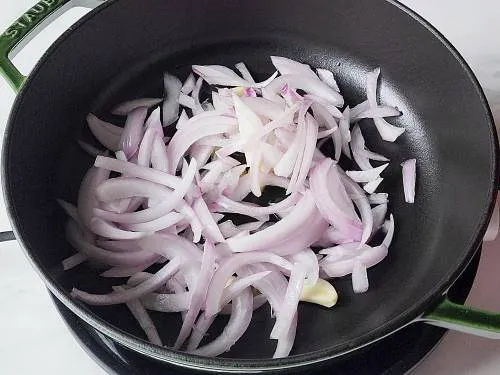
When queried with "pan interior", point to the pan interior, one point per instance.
{"points": [[448, 131]]}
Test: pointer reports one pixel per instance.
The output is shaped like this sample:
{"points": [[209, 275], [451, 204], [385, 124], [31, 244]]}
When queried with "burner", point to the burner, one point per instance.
{"points": [[397, 354]]}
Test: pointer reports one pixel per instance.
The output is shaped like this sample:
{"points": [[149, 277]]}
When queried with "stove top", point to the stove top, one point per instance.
{"points": [[397, 354]]}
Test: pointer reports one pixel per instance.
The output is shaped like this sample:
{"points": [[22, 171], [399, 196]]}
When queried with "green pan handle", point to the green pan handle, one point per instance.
{"points": [[465, 319], [26, 27], [448, 314]]}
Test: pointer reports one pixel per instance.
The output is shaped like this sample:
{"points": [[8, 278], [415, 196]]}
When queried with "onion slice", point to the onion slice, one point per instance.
{"points": [[409, 177], [107, 134], [127, 107], [170, 107], [143, 318], [131, 294]]}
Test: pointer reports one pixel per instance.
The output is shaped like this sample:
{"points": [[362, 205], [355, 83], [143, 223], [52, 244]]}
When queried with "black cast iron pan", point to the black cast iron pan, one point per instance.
{"points": [[397, 354], [121, 49]]}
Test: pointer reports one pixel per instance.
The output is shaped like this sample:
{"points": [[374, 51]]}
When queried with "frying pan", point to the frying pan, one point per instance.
{"points": [[119, 51]]}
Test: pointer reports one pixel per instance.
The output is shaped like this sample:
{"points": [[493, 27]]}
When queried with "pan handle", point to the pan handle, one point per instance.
{"points": [[26, 27], [450, 315], [7, 236]]}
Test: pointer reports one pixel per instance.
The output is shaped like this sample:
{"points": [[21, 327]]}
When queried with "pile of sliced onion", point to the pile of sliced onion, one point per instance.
{"points": [[155, 210]]}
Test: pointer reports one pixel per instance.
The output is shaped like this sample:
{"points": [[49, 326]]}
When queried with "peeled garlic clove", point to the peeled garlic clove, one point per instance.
{"points": [[322, 293]]}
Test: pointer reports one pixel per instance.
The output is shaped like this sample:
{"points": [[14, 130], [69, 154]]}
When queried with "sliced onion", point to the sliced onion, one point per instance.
{"points": [[163, 222], [368, 174], [256, 211], [327, 77], [127, 107], [239, 284], [131, 294], [359, 277], [198, 299], [332, 109], [289, 66], [107, 134], [409, 177], [196, 97], [364, 110], [127, 187], [174, 302], [211, 230], [344, 131], [222, 103], [162, 208], [327, 206], [170, 246], [378, 213], [219, 75], [76, 239], [310, 85], [133, 131], [241, 315], [369, 256], [133, 170], [378, 198], [287, 163], [304, 238], [308, 258], [143, 318], [243, 187], [387, 131], [186, 136], [390, 232], [371, 186], [105, 229], [264, 107], [291, 97], [304, 162], [73, 261], [335, 236], [358, 145], [186, 101], [170, 107], [175, 199], [290, 302], [188, 84], [361, 202], [372, 155], [87, 201], [242, 68], [284, 120], [229, 266], [123, 271], [285, 343], [249, 92], [146, 148], [201, 153], [329, 122], [159, 158], [279, 232], [183, 118]]}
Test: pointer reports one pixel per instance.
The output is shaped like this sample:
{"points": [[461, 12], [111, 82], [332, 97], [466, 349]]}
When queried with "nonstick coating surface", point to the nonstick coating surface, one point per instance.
{"points": [[120, 51]]}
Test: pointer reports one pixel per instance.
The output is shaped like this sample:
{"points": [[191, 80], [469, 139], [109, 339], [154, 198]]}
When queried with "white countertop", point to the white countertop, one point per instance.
{"points": [[34, 340]]}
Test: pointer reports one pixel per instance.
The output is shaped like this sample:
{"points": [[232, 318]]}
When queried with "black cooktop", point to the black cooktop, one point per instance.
{"points": [[397, 354]]}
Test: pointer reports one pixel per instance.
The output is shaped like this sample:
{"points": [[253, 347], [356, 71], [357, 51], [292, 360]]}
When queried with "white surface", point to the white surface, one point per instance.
{"points": [[34, 340]]}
